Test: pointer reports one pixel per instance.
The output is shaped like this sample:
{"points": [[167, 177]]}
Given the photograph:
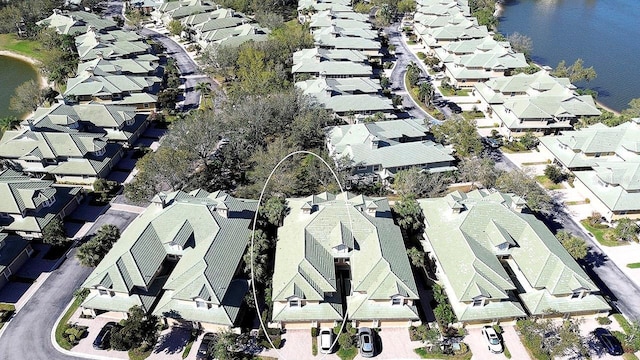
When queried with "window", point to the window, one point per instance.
{"points": [[103, 291], [397, 301], [201, 304], [478, 302], [577, 294], [294, 303]]}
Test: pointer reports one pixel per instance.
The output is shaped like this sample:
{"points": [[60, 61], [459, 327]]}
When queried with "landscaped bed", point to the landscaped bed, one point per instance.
{"points": [[602, 233]]}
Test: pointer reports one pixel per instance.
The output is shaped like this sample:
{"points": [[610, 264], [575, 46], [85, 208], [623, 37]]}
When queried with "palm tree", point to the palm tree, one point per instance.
{"points": [[413, 73], [425, 91], [204, 88]]}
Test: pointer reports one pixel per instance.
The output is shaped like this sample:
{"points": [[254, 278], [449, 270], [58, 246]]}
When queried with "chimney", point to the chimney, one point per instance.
{"points": [[90, 70], [99, 55]]}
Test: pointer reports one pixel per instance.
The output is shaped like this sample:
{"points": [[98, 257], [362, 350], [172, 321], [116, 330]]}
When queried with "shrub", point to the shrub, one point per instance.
{"points": [[422, 56], [314, 332], [346, 341], [73, 333], [603, 320], [554, 173]]}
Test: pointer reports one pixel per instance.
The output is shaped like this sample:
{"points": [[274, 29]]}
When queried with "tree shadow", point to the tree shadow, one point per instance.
{"points": [[595, 259], [173, 342]]}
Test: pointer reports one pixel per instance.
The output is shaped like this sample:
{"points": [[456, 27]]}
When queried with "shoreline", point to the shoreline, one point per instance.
{"points": [[43, 81]]}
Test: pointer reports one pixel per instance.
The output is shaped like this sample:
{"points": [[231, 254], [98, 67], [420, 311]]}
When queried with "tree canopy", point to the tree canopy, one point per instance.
{"points": [[93, 251], [462, 134]]}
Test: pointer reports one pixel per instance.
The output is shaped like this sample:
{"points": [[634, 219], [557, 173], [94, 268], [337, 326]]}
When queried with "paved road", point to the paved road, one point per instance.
{"points": [[189, 70], [28, 335], [113, 8], [403, 58]]}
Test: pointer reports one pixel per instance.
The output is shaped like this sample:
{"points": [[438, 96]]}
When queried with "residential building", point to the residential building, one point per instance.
{"points": [[342, 255], [143, 66], [112, 45], [538, 103], [135, 91], [352, 86], [119, 124], [321, 55], [30, 204], [177, 10], [14, 252], [145, 6], [605, 163], [76, 22], [76, 158], [180, 259], [376, 151], [498, 263]]}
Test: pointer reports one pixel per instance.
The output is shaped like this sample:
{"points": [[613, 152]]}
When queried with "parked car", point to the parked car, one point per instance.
{"points": [[203, 349], [608, 341], [366, 342], [102, 340], [493, 340], [326, 340], [491, 142]]}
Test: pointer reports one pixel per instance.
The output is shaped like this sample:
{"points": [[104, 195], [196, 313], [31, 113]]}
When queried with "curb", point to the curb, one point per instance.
{"points": [[67, 352]]}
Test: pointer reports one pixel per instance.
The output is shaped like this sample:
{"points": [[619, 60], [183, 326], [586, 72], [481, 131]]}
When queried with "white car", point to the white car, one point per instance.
{"points": [[492, 339], [326, 341]]}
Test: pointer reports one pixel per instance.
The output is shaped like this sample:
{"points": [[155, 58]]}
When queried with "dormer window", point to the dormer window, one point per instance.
{"points": [[397, 301], [578, 294], [479, 301], [201, 304], [131, 121], [295, 302], [100, 152], [49, 202], [103, 291]]}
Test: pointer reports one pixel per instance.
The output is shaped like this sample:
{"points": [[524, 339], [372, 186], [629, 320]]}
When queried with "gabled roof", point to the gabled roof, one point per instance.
{"points": [[308, 245], [209, 246], [469, 245], [31, 203]]}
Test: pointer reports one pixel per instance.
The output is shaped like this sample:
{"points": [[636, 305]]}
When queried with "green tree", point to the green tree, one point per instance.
{"points": [[406, 6], [261, 248], [8, 123], [175, 27], [554, 173], [575, 72], [529, 141], [93, 251], [425, 92], [416, 257], [462, 134], [27, 97], [274, 210], [409, 215], [421, 184], [521, 43], [138, 331], [478, 170], [413, 73], [485, 17], [633, 110], [522, 184], [54, 233], [626, 230], [576, 246]]}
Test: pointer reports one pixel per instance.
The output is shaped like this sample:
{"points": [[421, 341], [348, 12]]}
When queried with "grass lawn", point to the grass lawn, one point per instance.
{"points": [[6, 310], [629, 356], [424, 354], [187, 348], [136, 354], [63, 322], [453, 92], [634, 265], [603, 235], [547, 183], [28, 48], [347, 354], [470, 115]]}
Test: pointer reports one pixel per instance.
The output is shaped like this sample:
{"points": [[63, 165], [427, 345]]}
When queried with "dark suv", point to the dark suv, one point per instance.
{"points": [[102, 340], [608, 341]]}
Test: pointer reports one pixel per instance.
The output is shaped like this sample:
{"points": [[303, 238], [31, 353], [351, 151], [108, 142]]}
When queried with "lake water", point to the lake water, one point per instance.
{"points": [[604, 33], [13, 72]]}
